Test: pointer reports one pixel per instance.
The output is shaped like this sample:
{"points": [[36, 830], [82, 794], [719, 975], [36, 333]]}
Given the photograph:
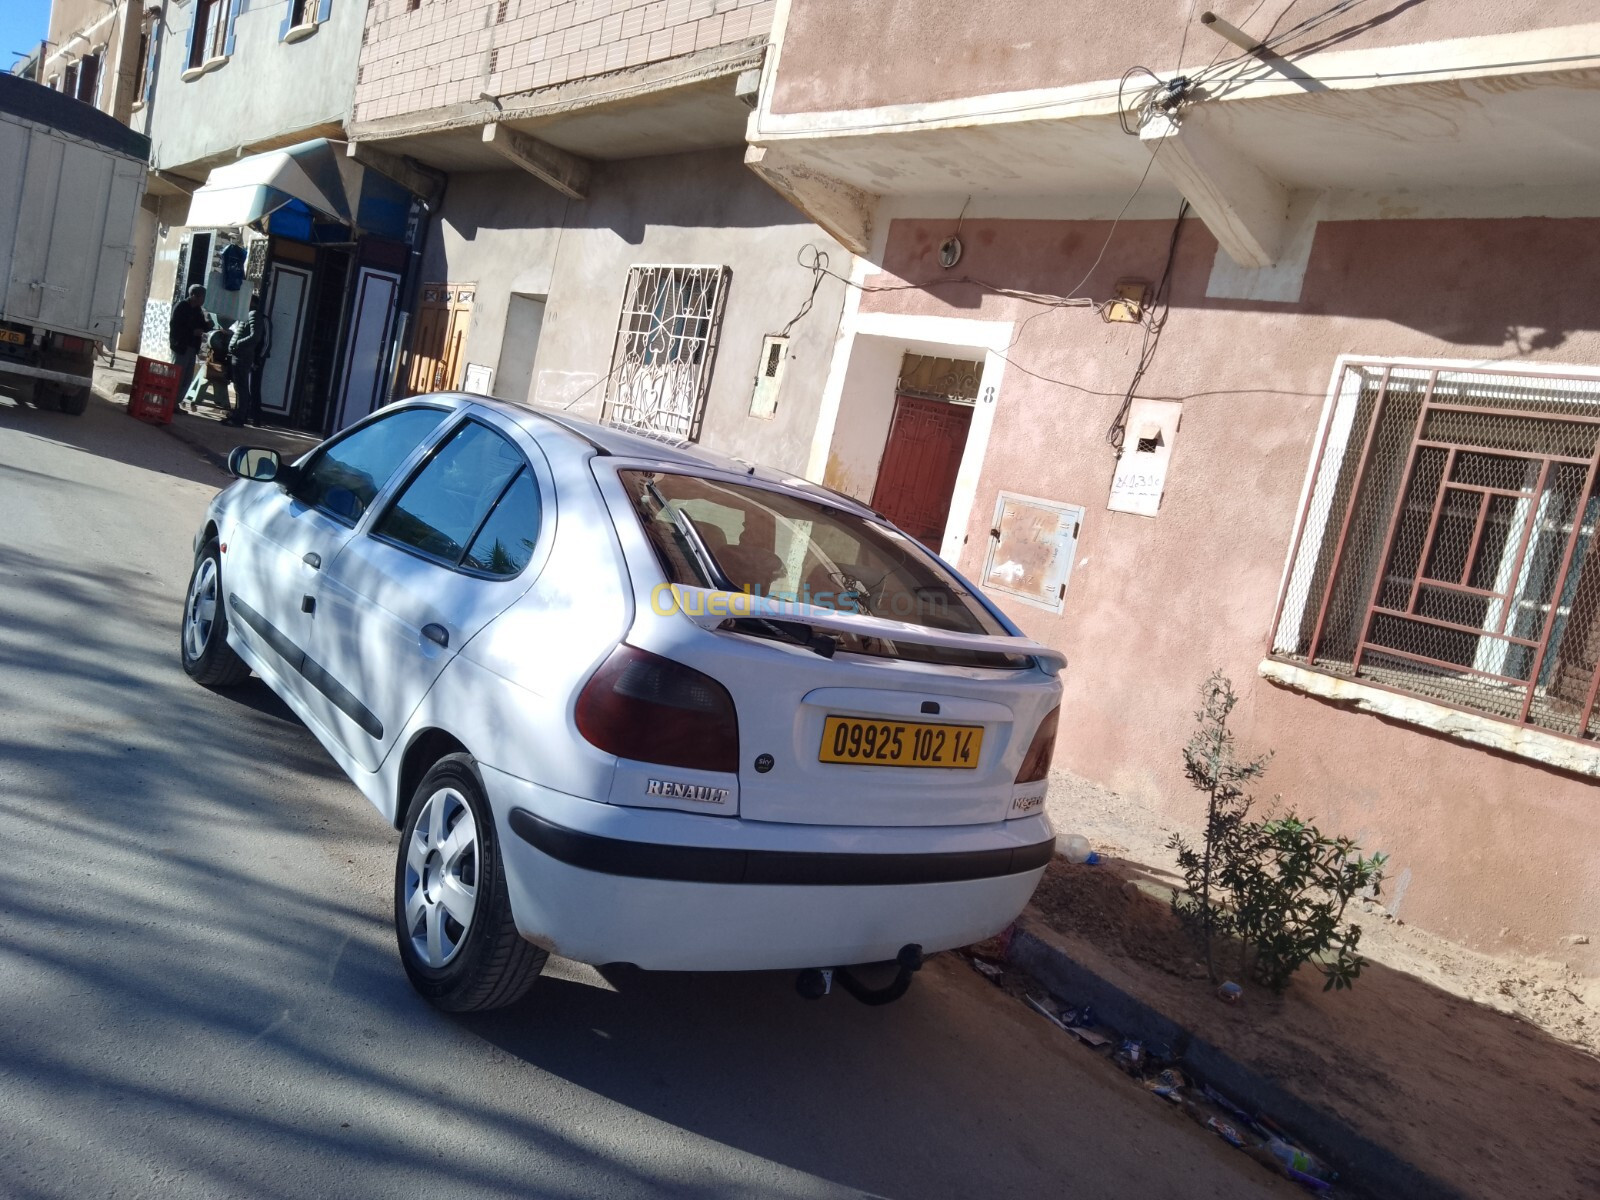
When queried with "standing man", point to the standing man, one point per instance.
{"points": [[245, 352], [185, 332]]}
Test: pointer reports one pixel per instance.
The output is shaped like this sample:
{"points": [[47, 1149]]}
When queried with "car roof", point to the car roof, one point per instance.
{"points": [[663, 451]]}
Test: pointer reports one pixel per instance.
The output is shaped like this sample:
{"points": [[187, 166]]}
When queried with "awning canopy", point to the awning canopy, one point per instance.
{"points": [[317, 173]]}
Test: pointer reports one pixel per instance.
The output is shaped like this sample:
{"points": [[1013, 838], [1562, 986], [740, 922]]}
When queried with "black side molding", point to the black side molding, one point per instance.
{"points": [[315, 673], [702, 864]]}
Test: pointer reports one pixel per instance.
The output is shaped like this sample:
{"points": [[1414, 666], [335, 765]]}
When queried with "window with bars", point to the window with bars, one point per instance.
{"points": [[1445, 549], [666, 343]]}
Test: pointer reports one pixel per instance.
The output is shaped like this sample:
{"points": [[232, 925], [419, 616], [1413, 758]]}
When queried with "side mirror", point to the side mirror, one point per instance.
{"points": [[250, 462]]}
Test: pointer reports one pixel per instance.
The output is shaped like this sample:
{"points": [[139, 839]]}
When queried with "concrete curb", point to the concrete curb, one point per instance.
{"points": [[1364, 1167]]}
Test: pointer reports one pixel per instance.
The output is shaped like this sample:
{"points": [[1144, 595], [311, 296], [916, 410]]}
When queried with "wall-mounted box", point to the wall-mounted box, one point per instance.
{"points": [[1031, 547]]}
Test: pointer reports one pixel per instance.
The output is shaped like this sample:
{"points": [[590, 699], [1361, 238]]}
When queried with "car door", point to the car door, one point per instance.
{"points": [[449, 552], [284, 536]]}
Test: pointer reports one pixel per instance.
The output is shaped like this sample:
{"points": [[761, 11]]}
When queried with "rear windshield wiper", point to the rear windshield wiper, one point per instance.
{"points": [[796, 633], [691, 542]]}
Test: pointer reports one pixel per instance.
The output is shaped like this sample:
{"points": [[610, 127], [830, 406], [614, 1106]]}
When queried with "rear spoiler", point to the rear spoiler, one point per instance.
{"points": [[710, 607]]}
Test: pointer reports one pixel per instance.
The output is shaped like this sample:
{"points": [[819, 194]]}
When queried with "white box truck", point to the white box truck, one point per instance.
{"points": [[71, 179]]}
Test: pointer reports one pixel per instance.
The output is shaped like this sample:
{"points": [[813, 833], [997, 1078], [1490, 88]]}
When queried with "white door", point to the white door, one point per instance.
{"points": [[364, 369], [447, 555], [286, 309], [519, 348]]}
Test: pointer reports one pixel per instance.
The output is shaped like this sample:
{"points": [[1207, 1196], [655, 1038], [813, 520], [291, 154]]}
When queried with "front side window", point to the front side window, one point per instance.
{"points": [[708, 533], [343, 478], [476, 480], [1447, 545]]}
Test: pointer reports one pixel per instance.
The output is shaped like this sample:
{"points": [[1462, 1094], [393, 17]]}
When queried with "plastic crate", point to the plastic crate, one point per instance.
{"points": [[154, 395]]}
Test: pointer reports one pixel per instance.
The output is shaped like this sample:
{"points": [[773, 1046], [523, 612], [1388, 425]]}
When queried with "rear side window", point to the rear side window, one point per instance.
{"points": [[708, 533], [344, 477], [505, 543], [471, 484]]}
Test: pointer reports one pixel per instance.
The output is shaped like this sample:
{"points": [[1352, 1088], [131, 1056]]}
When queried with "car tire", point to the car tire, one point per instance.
{"points": [[203, 634], [72, 401], [447, 868]]}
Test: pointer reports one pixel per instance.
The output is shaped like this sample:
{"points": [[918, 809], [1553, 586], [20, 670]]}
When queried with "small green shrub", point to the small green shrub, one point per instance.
{"points": [[1276, 889]]}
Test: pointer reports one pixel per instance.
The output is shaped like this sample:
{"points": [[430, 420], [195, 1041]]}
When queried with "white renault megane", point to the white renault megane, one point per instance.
{"points": [[631, 702]]}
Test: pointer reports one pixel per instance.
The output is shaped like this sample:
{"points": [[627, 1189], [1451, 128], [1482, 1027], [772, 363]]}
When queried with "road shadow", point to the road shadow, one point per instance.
{"points": [[194, 922], [105, 431]]}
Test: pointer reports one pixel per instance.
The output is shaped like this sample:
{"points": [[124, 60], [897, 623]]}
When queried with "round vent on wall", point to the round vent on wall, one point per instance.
{"points": [[949, 252]]}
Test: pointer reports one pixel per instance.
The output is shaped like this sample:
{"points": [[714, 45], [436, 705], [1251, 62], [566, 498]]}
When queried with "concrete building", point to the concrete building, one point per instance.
{"points": [[1285, 360], [97, 51], [256, 193], [600, 248]]}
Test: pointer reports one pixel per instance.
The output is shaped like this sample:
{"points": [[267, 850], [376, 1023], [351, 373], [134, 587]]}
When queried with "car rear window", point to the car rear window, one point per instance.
{"points": [[711, 533]]}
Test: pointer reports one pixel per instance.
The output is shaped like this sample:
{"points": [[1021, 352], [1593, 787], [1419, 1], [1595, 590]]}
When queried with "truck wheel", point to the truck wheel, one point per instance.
{"points": [[458, 940], [203, 640], [72, 401]]}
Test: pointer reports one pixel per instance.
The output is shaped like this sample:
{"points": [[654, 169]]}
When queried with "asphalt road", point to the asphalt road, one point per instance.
{"points": [[199, 993]]}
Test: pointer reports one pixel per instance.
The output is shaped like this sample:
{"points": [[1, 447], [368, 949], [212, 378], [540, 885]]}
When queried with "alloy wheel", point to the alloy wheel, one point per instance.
{"points": [[200, 612], [441, 881]]}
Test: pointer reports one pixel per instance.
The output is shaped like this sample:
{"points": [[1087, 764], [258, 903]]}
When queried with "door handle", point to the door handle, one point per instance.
{"points": [[436, 633], [313, 560]]}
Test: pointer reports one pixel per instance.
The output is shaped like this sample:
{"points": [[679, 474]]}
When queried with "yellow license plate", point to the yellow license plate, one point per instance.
{"points": [[11, 335], [900, 743]]}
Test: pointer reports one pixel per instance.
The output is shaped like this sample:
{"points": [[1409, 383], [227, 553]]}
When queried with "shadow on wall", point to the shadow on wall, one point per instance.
{"points": [[1468, 282], [710, 189]]}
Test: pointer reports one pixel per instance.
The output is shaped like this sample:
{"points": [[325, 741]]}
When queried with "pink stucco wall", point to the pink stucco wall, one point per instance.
{"points": [[1486, 849], [925, 50]]}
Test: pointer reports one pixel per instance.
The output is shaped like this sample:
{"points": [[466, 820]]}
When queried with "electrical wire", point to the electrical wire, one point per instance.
{"points": [[1160, 306], [818, 274]]}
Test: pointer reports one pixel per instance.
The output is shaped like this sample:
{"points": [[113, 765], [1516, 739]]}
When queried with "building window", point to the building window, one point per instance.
{"points": [[666, 343], [1446, 548], [69, 80], [210, 34], [89, 78], [141, 64]]}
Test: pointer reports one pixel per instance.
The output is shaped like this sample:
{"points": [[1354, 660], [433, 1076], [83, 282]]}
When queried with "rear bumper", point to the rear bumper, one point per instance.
{"points": [[23, 370], [594, 896]]}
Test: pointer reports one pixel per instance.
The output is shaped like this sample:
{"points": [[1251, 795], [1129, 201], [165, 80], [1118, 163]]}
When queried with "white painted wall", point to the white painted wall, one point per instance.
{"points": [[265, 90]]}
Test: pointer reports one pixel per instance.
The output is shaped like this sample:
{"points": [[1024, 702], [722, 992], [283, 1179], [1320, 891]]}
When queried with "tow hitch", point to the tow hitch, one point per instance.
{"points": [[815, 982]]}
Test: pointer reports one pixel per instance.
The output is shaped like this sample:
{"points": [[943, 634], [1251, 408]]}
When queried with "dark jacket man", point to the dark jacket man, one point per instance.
{"points": [[185, 332], [246, 350], [189, 324]]}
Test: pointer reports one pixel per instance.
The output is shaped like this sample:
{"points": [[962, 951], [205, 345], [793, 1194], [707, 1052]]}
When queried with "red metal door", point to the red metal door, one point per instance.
{"points": [[920, 462]]}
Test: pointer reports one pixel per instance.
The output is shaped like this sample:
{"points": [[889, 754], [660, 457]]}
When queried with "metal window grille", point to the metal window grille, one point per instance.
{"points": [[1446, 546], [666, 342]]}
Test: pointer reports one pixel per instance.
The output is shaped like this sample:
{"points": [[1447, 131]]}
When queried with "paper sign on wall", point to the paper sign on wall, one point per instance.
{"points": [[479, 379], [1141, 474]]}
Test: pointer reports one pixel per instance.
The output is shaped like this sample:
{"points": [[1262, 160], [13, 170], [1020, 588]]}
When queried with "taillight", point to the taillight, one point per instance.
{"points": [[1036, 763], [641, 706], [73, 345]]}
